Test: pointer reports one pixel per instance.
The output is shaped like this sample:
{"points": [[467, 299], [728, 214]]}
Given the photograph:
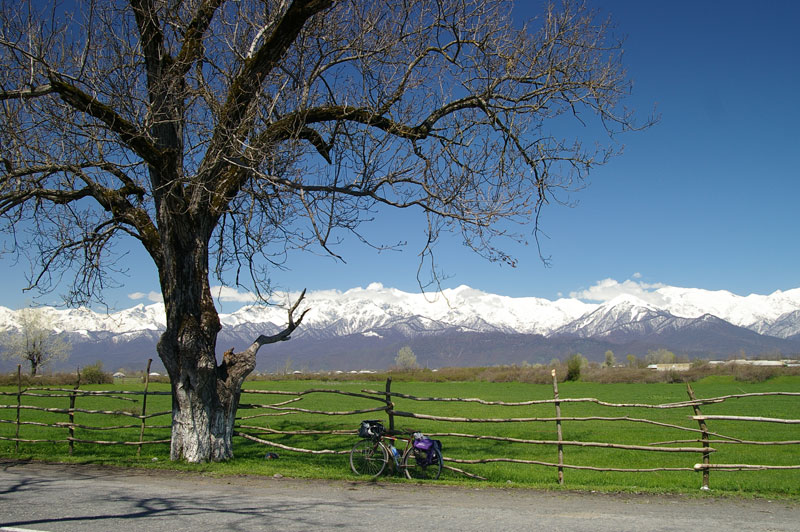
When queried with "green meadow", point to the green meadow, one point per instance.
{"points": [[250, 456]]}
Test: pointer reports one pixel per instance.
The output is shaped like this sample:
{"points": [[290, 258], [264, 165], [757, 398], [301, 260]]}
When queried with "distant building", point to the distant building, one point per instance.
{"points": [[119, 375], [745, 362], [670, 367]]}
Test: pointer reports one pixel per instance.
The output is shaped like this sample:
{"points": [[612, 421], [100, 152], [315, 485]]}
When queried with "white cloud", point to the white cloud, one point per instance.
{"points": [[221, 293], [608, 289], [228, 294], [153, 297]]}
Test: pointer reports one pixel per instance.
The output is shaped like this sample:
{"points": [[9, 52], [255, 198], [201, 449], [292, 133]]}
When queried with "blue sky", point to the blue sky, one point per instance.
{"points": [[708, 198]]}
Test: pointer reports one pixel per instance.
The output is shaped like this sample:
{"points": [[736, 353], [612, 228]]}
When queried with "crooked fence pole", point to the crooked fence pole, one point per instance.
{"points": [[72, 414], [558, 429], [704, 429], [389, 403], [144, 407], [19, 405]]}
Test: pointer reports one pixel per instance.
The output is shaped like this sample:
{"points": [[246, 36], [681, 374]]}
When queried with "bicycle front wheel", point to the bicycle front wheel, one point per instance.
{"points": [[419, 465], [369, 458]]}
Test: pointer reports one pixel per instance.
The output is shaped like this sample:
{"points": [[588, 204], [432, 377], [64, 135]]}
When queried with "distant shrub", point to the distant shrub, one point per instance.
{"points": [[675, 376], [94, 374], [575, 364], [616, 375], [54, 379], [745, 373], [534, 374]]}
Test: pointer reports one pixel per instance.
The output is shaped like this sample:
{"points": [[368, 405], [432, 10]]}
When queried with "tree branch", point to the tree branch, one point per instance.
{"points": [[286, 333], [244, 362], [296, 126], [246, 87], [152, 39], [22, 94], [128, 132], [111, 200], [192, 47]]}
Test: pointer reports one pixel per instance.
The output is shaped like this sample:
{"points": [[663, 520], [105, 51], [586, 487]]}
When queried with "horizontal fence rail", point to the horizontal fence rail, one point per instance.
{"points": [[749, 418], [253, 420]]}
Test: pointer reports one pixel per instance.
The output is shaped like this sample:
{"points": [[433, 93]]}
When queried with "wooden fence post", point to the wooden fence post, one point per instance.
{"points": [[144, 406], [72, 414], [704, 428], [389, 403], [558, 429], [19, 405]]}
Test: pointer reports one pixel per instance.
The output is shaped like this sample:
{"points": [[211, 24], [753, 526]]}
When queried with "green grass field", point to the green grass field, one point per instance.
{"points": [[250, 455]]}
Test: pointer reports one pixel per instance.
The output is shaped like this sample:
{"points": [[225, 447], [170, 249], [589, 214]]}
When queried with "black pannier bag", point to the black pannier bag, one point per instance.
{"points": [[371, 429]]}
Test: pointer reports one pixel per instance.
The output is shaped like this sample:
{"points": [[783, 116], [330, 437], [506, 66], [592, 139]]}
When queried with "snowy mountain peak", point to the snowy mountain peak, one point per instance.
{"points": [[377, 309], [744, 311], [629, 301]]}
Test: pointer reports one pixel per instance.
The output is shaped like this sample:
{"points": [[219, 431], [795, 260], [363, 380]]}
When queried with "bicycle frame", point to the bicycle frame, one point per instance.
{"points": [[398, 458]]}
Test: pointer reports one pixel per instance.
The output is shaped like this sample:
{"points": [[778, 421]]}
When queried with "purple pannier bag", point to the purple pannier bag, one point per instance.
{"points": [[430, 447], [423, 444]]}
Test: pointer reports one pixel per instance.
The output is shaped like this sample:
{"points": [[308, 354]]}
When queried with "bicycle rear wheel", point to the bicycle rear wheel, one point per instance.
{"points": [[368, 457], [417, 465]]}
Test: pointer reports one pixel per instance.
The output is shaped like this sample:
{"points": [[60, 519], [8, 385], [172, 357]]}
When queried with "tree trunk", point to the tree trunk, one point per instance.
{"points": [[204, 393], [203, 415], [35, 358]]}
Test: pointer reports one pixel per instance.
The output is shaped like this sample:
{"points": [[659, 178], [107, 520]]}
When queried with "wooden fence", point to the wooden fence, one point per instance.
{"points": [[72, 394], [700, 442]]}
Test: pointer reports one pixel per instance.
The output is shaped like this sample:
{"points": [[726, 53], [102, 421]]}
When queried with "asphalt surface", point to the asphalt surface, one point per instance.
{"points": [[49, 497]]}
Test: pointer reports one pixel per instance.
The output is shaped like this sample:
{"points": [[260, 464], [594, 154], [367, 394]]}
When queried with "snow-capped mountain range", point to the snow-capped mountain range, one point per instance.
{"points": [[369, 323]]}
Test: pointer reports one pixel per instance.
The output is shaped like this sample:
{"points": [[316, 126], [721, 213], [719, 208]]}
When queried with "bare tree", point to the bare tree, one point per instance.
{"points": [[34, 342], [220, 134]]}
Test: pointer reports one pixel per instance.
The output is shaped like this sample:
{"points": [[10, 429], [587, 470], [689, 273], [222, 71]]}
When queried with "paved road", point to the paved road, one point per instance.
{"points": [[64, 498]]}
